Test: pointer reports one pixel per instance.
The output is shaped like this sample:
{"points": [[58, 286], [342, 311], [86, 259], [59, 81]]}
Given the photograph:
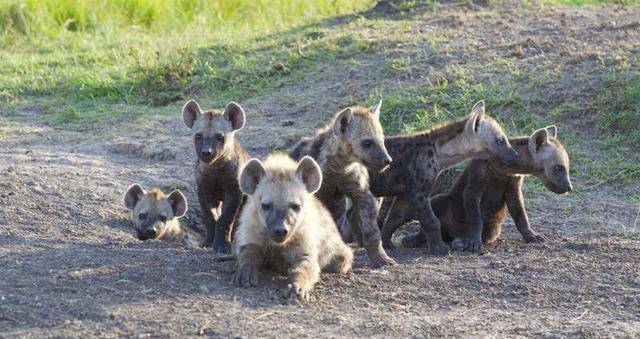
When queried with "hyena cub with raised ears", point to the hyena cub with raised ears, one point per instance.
{"points": [[473, 211], [220, 158], [283, 226], [156, 214], [344, 149], [419, 158]]}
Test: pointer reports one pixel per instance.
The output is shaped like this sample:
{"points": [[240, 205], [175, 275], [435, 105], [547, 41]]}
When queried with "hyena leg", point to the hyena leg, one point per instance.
{"points": [[250, 258], [302, 277], [439, 205], [398, 213], [472, 240], [365, 204], [209, 208], [353, 221], [384, 205], [230, 208], [428, 220]]}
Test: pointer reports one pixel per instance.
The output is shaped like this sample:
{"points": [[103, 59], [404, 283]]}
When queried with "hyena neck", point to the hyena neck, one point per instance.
{"points": [[335, 155], [453, 145], [524, 164]]}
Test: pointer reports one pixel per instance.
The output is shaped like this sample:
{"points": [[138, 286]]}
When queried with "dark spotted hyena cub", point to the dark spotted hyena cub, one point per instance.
{"points": [[220, 157], [283, 226], [350, 145], [473, 211], [156, 214]]}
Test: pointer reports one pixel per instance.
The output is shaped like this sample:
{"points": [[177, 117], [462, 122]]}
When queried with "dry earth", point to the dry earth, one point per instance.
{"points": [[71, 267]]}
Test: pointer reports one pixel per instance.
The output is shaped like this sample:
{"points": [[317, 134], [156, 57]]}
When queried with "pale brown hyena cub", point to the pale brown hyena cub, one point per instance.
{"points": [[156, 214], [285, 227]]}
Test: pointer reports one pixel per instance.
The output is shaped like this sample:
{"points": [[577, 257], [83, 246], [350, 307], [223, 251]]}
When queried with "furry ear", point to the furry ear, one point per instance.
{"points": [[132, 196], [190, 112], [342, 124], [538, 139], [552, 131], [477, 113], [178, 203], [235, 114], [251, 175], [310, 173], [375, 110]]}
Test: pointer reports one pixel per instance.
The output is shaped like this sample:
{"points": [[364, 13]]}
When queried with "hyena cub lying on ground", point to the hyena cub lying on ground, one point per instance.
{"points": [[419, 158], [220, 158], [156, 214], [344, 149], [473, 211], [283, 226]]}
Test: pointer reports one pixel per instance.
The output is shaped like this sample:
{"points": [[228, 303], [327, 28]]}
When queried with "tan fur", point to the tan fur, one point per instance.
{"points": [[312, 243], [154, 204]]}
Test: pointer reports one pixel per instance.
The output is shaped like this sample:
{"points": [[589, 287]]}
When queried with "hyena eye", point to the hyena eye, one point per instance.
{"points": [[266, 207], [142, 216], [220, 136], [500, 140], [198, 137], [559, 168], [163, 217], [367, 143], [295, 207]]}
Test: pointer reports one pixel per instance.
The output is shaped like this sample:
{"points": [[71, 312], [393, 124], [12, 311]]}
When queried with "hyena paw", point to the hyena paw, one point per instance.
{"points": [[294, 293], [382, 259], [208, 243], [223, 248], [439, 248], [534, 238], [246, 277], [466, 245]]}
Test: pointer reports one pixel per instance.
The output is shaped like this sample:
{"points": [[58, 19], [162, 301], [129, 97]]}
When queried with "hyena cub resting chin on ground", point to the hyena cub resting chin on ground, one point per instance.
{"points": [[220, 158], [473, 211], [344, 149], [419, 158], [283, 226], [156, 214]]}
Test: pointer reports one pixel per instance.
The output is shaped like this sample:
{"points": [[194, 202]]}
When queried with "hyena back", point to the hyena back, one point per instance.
{"points": [[349, 145], [156, 214], [220, 157], [283, 226], [473, 211]]}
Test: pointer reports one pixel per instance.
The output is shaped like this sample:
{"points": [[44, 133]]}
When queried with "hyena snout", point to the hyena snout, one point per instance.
{"points": [[512, 154], [147, 233]]}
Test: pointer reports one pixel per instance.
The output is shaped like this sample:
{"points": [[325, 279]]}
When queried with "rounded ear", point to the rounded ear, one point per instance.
{"points": [[477, 112], [250, 176], [343, 122], [375, 110], [132, 196], [178, 203], [552, 131], [190, 112], [310, 173], [235, 114], [538, 139]]}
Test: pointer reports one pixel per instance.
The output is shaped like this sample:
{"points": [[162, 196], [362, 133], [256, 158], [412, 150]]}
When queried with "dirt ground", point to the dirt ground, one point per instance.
{"points": [[71, 266]]}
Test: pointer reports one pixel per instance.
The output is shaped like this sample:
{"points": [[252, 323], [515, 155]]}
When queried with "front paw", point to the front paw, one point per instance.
{"points": [[534, 238], [208, 243], [246, 277], [466, 245], [439, 248], [222, 248], [294, 293]]}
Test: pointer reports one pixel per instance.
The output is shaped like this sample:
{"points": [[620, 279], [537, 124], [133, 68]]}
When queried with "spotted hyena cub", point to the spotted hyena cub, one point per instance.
{"points": [[285, 227], [220, 157], [349, 148], [156, 214]]}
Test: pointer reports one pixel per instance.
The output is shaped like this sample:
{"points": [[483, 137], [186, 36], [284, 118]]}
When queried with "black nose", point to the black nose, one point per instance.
{"points": [[280, 232], [151, 233], [514, 154], [388, 160], [206, 151]]}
